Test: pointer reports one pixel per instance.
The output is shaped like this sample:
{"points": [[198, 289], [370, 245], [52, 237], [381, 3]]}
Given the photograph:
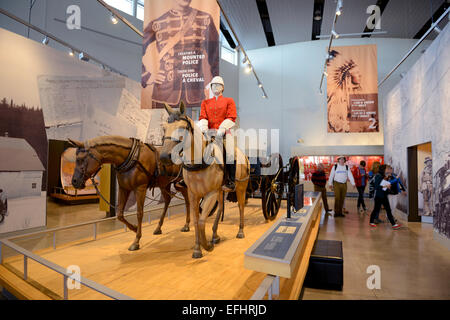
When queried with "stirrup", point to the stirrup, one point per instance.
{"points": [[229, 187]]}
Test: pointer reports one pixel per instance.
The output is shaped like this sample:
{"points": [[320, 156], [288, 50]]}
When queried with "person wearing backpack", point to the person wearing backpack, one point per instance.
{"points": [[337, 182], [381, 191], [360, 175], [396, 188], [372, 174]]}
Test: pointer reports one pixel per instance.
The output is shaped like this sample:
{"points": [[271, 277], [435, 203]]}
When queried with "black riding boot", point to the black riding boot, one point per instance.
{"points": [[230, 184]]}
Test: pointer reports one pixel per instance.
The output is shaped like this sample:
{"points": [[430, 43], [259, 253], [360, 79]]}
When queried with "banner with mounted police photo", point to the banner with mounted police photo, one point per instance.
{"points": [[180, 51], [352, 89]]}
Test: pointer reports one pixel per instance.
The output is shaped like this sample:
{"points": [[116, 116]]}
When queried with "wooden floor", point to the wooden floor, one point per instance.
{"points": [[163, 268]]}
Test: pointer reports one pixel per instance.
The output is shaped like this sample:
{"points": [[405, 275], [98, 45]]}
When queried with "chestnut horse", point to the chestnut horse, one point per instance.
{"points": [[202, 180], [138, 169]]}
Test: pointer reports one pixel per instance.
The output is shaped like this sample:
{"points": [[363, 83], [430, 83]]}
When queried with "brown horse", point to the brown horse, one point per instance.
{"points": [[138, 169], [203, 180]]}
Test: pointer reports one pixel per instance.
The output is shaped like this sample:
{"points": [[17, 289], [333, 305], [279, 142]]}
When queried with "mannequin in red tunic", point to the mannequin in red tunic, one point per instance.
{"points": [[219, 113]]}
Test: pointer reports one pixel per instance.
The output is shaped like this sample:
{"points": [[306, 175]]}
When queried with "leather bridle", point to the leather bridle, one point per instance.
{"points": [[85, 164]]}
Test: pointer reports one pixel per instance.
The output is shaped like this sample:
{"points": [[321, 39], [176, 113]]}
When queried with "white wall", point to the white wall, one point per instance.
{"points": [[418, 111], [291, 76]]}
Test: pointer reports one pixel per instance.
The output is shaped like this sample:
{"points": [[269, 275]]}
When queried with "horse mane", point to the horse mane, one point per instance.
{"points": [[108, 140]]}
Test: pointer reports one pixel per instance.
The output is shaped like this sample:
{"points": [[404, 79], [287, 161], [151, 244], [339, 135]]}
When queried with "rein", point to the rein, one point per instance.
{"points": [[190, 167]]}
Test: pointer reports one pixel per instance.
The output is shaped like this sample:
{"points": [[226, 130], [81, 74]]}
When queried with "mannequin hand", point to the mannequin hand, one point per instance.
{"points": [[220, 132]]}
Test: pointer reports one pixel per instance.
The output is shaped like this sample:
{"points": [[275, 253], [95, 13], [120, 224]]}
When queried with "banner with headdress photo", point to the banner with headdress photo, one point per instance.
{"points": [[352, 89], [180, 51]]}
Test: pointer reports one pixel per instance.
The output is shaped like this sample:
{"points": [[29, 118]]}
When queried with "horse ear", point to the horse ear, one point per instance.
{"points": [[76, 144], [168, 109], [182, 108]]}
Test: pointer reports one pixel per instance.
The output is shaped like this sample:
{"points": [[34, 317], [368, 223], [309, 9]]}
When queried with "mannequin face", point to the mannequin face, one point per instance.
{"points": [[217, 89]]}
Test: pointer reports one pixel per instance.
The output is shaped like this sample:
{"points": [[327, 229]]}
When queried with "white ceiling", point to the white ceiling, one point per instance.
{"points": [[291, 20]]}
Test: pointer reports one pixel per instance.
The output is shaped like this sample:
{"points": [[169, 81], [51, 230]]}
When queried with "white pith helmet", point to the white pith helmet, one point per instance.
{"points": [[219, 80]]}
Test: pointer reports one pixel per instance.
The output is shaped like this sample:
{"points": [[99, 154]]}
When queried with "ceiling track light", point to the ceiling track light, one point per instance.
{"points": [[317, 16], [83, 56], [45, 40], [248, 68], [437, 29], [113, 18], [335, 34], [325, 74], [260, 85], [71, 53], [340, 5]]}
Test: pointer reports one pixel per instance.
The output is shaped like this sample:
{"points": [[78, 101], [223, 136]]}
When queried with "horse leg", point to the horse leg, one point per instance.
{"points": [[140, 199], [208, 202], [123, 197], [215, 237], [166, 195], [240, 193], [194, 203], [188, 214]]}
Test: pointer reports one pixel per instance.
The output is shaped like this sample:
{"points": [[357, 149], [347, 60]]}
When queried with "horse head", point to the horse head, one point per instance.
{"points": [[178, 124], [87, 164]]}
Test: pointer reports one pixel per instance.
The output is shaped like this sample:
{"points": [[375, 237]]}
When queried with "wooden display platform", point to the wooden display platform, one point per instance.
{"points": [[163, 268]]}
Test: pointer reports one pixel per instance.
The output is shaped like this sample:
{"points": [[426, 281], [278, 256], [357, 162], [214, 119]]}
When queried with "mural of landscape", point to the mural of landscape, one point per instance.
{"points": [[27, 122]]}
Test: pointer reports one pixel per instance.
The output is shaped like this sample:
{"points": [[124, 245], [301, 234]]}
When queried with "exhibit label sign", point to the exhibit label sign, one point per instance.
{"points": [[180, 51], [352, 89]]}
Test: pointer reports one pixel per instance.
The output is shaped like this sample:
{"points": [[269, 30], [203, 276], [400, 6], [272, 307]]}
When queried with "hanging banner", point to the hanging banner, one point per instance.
{"points": [[352, 89], [180, 51]]}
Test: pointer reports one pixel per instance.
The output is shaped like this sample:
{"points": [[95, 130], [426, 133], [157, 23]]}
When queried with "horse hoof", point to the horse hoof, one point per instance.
{"points": [[185, 229], [197, 254], [240, 235], [157, 231], [134, 247], [216, 240]]}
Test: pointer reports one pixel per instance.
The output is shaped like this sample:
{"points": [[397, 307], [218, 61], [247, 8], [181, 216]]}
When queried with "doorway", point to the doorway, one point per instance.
{"points": [[420, 182]]}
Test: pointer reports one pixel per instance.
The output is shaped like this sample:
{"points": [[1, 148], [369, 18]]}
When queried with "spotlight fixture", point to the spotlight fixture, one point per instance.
{"points": [[317, 16], [114, 19], [245, 60], [335, 34], [83, 56], [437, 30], [264, 96], [45, 40], [260, 85], [339, 8], [71, 53], [325, 74], [248, 68]]}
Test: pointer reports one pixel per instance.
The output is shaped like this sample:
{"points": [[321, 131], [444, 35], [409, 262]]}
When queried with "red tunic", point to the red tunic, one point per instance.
{"points": [[216, 111]]}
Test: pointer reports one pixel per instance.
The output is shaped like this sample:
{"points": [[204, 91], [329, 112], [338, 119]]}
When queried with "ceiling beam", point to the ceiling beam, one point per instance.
{"points": [[265, 20]]}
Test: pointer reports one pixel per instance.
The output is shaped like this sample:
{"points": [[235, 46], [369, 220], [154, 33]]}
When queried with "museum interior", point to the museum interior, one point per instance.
{"points": [[224, 150]]}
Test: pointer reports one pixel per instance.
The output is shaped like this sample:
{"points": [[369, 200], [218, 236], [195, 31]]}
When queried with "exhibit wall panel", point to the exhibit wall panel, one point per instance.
{"points": [[418, 111], [291, 76]]}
